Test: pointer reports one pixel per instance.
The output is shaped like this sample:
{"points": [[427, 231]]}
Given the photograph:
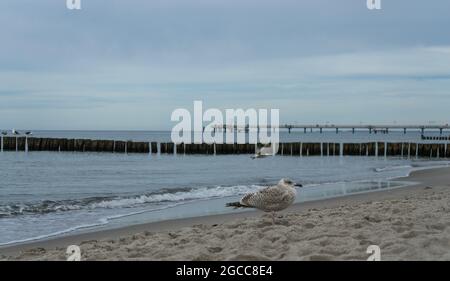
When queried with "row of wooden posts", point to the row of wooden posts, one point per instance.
{"points": [[442, 138], [292, 148]]}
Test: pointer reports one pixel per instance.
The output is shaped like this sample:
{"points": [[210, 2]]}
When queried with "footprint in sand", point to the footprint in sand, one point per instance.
{"points": [[248, 257], [324, 242], [438, 226], [320, 258], [215, 249], [356, 225], [359, 236], [410, 234], [400, 229], [309, 225], [173, 235]]}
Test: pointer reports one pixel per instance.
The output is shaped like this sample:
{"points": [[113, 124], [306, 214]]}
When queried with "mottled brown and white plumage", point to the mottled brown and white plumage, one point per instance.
{"points": [[270, 199]]}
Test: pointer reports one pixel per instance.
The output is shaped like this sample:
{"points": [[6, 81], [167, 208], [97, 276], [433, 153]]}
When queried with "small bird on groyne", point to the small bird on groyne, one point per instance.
{"points": [[270, 199], [28, 133], [14, 132], [5, 133]]}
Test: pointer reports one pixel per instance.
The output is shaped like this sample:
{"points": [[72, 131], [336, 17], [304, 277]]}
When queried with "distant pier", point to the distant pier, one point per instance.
{"points": [[375, 128], [405, 149]]}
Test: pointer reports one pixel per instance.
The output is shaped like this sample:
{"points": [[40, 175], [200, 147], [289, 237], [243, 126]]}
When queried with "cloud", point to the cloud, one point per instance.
{"points": [[128, 64]]}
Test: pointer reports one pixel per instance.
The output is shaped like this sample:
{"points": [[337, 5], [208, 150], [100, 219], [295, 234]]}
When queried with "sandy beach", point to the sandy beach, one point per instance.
{"points": [[410, 223]]}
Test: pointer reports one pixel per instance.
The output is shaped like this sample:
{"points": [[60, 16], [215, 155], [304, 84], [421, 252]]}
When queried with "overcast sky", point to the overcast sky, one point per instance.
{"points": [[127, 64]]}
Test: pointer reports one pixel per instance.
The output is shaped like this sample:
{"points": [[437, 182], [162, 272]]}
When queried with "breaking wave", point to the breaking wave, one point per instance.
{"points": [[160, 197]]}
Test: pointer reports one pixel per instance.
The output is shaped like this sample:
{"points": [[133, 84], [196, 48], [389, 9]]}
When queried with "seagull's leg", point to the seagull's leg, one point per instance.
{"points": [[273, 217]]}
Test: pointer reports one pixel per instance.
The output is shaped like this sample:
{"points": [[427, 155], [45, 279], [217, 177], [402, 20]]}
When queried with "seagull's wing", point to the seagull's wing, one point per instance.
{"points": [[266, 150], [264, 198]]}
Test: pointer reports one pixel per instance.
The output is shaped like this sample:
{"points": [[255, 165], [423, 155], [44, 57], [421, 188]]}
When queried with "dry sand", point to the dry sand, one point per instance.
{"points": [[410, 223]]}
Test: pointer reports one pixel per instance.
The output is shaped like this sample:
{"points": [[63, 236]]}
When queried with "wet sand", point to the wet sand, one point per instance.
{"points": [[409, 223]]}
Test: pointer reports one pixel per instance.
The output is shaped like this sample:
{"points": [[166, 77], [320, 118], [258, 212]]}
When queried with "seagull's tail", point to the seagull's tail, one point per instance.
{"points": [[236, 205]]}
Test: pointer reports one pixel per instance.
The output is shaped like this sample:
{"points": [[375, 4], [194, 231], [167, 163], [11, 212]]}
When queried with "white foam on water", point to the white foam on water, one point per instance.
{"points": [[194, 194], [390, 168]]}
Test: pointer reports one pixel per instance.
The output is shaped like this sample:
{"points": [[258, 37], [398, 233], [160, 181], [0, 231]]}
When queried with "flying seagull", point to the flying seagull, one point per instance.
{"points": [[266, 150], [270, 199]]}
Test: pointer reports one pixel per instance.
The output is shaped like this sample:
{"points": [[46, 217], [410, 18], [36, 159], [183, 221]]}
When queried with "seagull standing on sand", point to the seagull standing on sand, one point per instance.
{"points": [[270, 199]]}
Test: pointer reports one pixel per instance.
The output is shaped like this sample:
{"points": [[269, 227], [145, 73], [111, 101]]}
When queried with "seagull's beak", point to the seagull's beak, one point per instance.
{"points": [[298, 185]]}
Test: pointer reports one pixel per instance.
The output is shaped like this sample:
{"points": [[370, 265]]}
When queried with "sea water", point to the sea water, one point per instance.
{"points": [[48, 194]]}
